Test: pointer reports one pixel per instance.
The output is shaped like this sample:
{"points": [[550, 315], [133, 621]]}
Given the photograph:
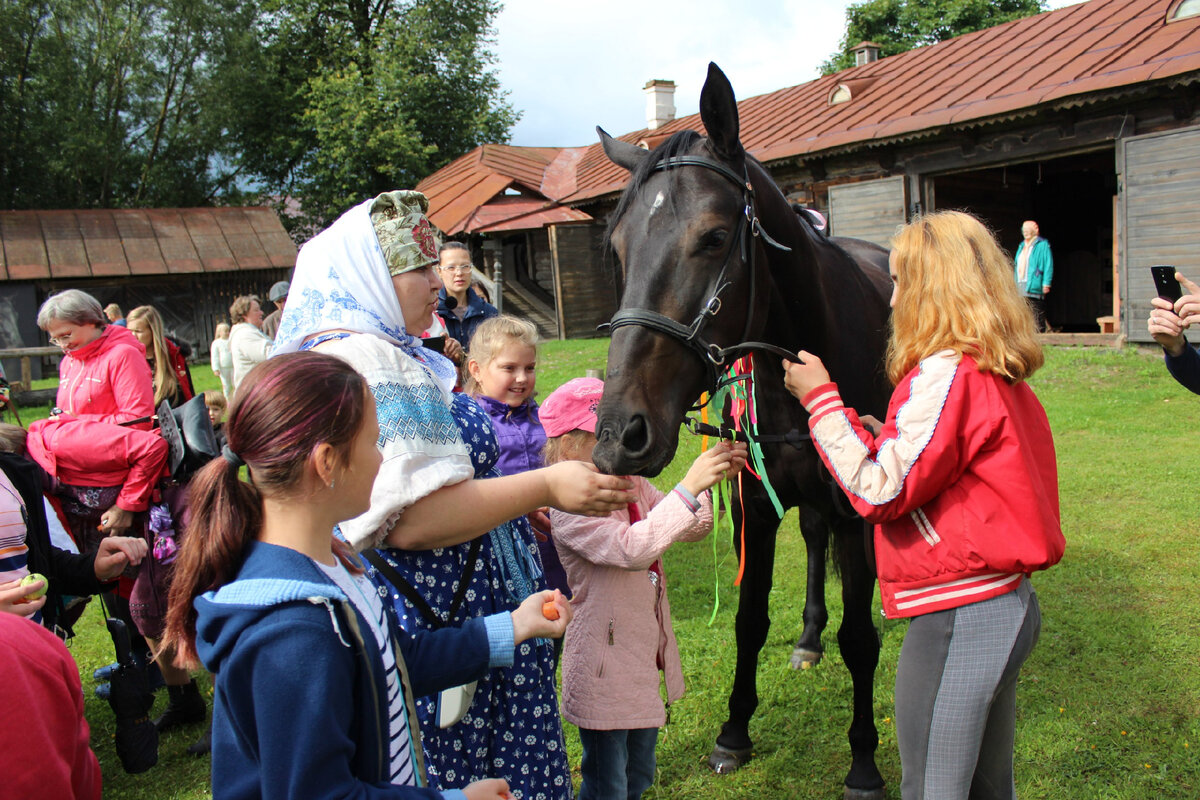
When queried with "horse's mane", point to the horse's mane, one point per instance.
{"points": [[679, 144]]}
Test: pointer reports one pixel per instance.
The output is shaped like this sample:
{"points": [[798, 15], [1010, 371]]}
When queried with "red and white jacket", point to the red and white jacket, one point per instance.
{"points": [[961, 482]]}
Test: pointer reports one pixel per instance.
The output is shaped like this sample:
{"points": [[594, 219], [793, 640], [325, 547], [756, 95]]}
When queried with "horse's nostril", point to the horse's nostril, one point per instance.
{"points": [[634, 438]]}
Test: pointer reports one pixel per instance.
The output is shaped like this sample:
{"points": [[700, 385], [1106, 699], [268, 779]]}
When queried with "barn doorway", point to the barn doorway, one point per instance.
{"points": [[1072, 200]]}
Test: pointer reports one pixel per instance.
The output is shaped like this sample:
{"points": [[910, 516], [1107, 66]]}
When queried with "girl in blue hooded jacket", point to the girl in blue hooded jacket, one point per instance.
{"points": [[314, 680]]}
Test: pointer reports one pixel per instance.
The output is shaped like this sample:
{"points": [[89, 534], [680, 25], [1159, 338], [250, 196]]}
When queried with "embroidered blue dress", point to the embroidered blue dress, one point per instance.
{"points": [[512, 729]]}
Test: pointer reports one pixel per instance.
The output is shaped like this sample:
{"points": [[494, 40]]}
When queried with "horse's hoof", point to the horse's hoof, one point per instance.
{"points": [[803, 658], [862, 794], [724, 761]]}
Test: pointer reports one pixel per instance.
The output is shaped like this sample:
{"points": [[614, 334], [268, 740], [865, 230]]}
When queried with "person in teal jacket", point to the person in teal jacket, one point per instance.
{"points": [[1034, 269]]}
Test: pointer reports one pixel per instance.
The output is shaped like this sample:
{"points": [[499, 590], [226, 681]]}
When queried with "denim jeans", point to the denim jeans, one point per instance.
{"points": [[617, 765]]}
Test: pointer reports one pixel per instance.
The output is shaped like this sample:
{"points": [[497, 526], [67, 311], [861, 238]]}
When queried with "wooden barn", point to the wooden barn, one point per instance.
{"points": [[1084, 119], [189, 263]]}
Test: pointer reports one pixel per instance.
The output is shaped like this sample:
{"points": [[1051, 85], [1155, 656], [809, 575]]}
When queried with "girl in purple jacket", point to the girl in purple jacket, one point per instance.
{"points": [[503, 375]]}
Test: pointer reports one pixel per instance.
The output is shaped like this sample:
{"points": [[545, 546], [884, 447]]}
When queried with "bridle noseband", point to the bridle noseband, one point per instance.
{"points": [[713, 355]]}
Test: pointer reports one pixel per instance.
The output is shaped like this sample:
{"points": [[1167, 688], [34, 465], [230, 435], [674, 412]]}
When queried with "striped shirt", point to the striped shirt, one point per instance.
{"points": [[14, 554], [364, 596]]}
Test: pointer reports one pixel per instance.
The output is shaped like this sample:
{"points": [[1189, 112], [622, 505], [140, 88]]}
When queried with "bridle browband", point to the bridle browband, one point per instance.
{"points": [[713, 355]]}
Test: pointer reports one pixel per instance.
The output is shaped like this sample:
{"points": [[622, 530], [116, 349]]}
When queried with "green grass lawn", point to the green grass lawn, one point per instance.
{"points": [[1109, 702]]}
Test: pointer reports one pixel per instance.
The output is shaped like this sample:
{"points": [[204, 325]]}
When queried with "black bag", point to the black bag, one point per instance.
{"points": [[189, 434]]}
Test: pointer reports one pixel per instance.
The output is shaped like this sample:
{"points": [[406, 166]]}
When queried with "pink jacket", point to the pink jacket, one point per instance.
{"points": [[107, 380], [621, 635], [100, 385]]}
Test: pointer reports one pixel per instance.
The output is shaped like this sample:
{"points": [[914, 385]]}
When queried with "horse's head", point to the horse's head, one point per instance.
{"points": [[683, 237]]}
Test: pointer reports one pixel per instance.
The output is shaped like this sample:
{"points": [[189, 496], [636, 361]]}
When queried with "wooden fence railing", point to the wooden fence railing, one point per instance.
{"points": [[25, 384]]}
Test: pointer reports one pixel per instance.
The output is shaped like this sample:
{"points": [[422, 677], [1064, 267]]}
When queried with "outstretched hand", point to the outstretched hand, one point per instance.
{"points": [[115, 554], [801, 377], [580, 488], [1167, 321], [13, 594], [714, 465], [530, 620], [488, 789]]}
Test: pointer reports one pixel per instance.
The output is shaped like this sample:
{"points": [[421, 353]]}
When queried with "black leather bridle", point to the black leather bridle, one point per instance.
{"points": [[714, 356]]}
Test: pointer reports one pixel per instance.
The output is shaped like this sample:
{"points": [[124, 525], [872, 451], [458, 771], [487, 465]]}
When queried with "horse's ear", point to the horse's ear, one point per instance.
{"points": [[718, 111], [623, 154]]}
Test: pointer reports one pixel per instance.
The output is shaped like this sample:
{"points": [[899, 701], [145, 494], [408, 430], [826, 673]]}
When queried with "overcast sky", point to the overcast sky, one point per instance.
{"points": [[570, 65]]}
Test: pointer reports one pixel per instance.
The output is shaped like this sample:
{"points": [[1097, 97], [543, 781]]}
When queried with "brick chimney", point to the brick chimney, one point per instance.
{"points": [[865, 53], [660, 103]]}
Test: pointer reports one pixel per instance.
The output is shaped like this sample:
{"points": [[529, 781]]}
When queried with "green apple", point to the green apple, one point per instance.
{"points": [[32, 578]]}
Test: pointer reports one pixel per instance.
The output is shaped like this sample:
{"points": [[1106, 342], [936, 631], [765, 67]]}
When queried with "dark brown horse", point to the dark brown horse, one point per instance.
{"points": [[713, 257]]}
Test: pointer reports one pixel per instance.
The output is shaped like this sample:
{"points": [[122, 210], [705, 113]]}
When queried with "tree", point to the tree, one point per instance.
{"points": [[105, 101], [901, 25], [352, 98]]}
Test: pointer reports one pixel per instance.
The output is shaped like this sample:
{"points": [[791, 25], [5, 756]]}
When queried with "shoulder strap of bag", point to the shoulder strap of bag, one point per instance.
{"points": [[413, 596]]}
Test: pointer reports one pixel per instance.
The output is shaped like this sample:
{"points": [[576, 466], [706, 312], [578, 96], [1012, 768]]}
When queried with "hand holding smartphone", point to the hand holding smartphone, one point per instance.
{"points": [[1165, 284]]}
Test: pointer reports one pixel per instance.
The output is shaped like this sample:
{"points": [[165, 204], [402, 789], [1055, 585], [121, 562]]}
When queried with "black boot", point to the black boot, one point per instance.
{"points": [[203, 745], [186, 706]]}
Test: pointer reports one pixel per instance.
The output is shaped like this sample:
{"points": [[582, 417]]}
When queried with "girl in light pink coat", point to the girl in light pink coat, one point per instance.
{"points": [[621, 636]]}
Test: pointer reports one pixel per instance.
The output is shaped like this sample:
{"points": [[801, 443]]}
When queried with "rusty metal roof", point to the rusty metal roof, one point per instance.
{"points": [[103, 243], [1055, 59]]}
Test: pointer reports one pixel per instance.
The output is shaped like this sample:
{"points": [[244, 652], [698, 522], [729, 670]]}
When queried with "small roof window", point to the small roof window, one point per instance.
{"points": [[841, 93], [1183, 9]]}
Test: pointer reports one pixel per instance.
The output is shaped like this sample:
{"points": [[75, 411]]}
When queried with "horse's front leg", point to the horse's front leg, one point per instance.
{"points": [[808, 650], [734, 746], [859, 642]]}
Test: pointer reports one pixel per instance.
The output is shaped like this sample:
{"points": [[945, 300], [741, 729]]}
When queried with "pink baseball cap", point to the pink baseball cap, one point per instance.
{"points": [[572, 407]]}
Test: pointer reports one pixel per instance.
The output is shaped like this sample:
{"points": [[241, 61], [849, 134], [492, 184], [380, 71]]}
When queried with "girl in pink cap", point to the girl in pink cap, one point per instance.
{"points": [[621, 636]]}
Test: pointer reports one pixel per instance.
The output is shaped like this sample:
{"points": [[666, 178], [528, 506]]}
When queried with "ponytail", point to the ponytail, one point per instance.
{"points": [[224, 516]]}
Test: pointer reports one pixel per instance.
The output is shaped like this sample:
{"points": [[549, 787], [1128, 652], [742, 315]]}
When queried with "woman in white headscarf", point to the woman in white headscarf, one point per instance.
{"points": [[358, 288]]}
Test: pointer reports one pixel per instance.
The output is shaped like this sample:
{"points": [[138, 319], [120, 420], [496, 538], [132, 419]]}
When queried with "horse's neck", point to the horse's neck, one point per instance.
{"points": [[798, 314]]}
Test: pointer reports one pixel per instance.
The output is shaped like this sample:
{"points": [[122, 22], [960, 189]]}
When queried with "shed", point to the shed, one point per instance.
{"points": [[189, 263], [1083, 119]]}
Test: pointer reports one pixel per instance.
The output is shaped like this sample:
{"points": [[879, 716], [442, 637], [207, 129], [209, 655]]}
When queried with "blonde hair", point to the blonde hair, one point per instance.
{"points": [[241, 307], [166, 385], [564, 447], [491, 337], [955, 291], [222, 330], [214, 399]]}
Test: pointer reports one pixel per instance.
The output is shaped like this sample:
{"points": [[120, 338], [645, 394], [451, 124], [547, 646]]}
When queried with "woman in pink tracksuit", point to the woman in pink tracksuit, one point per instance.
{"points": [[621, 636]]}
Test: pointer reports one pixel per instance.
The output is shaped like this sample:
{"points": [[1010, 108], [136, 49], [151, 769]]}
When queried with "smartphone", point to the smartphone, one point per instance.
{"points": [[1165, 284]]}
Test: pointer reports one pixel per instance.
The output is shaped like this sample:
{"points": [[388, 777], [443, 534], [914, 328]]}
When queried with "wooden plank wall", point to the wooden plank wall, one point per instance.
{"points": [[585, 287], [868, 210], [1160, 181]]}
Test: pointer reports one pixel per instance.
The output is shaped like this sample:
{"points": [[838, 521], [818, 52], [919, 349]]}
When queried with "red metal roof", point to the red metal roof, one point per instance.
{"points": [[103, 243], [520, 214], [1048, 60]]}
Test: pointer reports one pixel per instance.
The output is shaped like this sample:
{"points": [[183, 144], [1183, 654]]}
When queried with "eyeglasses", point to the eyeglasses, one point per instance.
{"points": [[60, 341], [459, 268]]}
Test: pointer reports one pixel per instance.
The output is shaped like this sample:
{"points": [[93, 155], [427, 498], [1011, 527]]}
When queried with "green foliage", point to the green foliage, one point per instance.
{"points": [[351, 99], [119, 103], [1108, 703], [106, 102], [901, 25]]}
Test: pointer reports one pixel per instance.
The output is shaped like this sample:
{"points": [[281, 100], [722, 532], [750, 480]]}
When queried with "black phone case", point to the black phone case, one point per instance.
{"points": [[1165, 284]]}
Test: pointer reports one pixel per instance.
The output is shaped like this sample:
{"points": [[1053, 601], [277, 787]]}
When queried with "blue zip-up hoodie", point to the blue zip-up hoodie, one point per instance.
{"points": [[300, 708], [463, 329]]}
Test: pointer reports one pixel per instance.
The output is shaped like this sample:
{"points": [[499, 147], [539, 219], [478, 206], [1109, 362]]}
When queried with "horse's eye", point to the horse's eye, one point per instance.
{"points": [[713, 239]]}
